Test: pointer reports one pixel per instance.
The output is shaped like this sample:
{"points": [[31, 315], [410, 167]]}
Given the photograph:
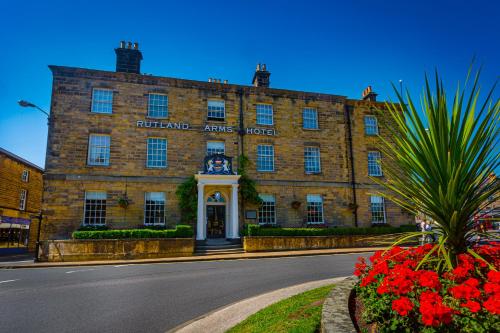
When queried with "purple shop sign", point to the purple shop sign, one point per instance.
{"points": [[14, 220]]}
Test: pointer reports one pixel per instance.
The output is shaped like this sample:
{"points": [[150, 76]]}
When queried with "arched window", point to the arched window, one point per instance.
{"points": [[216, 197]]}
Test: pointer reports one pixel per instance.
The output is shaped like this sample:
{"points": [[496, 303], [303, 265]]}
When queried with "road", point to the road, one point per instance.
{"points": [[146, 298]]}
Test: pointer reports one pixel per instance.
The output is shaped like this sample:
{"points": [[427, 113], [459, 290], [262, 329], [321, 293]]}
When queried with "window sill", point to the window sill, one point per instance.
{"points": [[102, 113], [98, 166], [266, 171], [313, 173], [311, 129], [156, 168]]}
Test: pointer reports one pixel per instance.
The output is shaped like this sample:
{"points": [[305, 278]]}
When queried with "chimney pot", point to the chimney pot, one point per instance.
{"points": [[261, 76], [225, 81], [369, 95], [128, 60]]}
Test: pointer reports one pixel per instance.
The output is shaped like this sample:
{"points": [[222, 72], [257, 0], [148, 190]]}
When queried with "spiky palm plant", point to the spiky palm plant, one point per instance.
{"points": [[439, 161]]}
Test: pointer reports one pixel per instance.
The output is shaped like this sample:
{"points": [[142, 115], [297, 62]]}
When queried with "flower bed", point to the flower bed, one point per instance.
{"points": [[398, 297]]}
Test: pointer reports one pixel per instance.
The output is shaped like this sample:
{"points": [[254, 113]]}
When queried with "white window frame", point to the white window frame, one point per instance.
{"points": [[377, 202], [22, 199], [101, 105], [25, 176], [371, 125], [315, 199], [374, 166], [310, 118], [149, 152], [99, 148], [264, 112], [146, 205], [312, 160], [157, 108], [264, 157], [216, 150], [267, 209], [99, 195], [215, 110]]}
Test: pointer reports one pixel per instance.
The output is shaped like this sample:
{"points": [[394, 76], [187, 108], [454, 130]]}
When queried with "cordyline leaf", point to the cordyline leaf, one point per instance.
{"points": [[439, 158]]}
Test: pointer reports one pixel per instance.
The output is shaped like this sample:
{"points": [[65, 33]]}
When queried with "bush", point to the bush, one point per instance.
{"points": [[257, 230], [181, 231], [92, 227]]}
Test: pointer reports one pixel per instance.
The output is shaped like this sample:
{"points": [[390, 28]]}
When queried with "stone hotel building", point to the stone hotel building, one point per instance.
{"points": [[117, 136]]}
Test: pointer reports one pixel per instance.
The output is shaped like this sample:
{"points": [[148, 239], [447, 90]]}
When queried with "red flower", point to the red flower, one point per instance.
{"points": [[433, 311], [429, 279], [492, 288], [472, 306], [360, 267], [467, 290], [492, 304], [402, 305], [493, 276]]}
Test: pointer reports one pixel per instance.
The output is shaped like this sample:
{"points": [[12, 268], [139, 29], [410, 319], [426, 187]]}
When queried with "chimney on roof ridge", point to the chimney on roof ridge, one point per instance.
{"points": [[261, 76], [128, 58], [369, 94]]}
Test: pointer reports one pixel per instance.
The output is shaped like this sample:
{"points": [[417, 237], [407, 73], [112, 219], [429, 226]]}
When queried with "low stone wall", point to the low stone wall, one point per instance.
{"points": [[115, 249], [335, 317], [283, 243]]}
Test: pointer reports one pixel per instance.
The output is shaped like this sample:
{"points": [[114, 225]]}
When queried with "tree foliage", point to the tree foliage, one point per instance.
{"points": [[187, 193], [441, 164]]}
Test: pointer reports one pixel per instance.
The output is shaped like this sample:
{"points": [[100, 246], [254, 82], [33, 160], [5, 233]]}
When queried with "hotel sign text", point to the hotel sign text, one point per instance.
{"points": [[206, 128]]}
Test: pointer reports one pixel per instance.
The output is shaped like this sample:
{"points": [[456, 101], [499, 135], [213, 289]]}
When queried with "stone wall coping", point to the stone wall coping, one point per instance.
{"points": [[335, 316], [113, 239]]}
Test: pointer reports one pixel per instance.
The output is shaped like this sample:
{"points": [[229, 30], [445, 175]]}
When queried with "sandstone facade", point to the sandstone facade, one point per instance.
{"points": [[68, 175]]}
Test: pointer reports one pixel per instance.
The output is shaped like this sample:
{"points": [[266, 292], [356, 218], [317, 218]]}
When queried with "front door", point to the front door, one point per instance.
{"points": [[216, 221]]}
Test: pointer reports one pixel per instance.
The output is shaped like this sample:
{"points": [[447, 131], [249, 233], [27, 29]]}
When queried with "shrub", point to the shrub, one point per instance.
{"points": [[181, 231], [93, 227], [257, 230], [399, 296]]}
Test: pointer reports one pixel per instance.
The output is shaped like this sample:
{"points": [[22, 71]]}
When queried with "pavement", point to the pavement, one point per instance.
{"points": [[236, 256], [149, 297], [222, 320]]}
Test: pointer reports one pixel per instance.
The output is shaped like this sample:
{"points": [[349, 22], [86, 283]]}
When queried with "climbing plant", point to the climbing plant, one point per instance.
{"points": [[187, 193], [248, 191]]}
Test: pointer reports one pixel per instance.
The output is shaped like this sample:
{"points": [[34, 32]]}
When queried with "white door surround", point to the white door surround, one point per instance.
{"points": [[228, 186]]}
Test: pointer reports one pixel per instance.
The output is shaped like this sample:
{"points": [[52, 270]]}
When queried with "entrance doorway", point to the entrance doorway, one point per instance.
{"points": [[216, 221], [216, 216]]}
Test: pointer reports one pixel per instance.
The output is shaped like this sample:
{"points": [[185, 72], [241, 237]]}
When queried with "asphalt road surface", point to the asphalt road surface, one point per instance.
{"points": [[146, 298]]}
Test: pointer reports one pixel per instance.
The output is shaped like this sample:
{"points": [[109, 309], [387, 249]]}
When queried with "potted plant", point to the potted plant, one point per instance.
{"points": [[123, 201]]}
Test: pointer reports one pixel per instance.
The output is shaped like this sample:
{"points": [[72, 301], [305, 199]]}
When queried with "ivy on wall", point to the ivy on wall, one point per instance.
{"points": [[248, 191], [187, 193]]}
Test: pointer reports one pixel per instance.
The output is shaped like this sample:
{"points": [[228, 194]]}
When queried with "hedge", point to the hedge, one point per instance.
{"points": [[181, 231], [257, 230]]}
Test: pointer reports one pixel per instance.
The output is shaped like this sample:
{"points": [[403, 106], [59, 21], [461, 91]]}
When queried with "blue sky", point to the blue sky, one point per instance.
{"points": [[336, 47]]}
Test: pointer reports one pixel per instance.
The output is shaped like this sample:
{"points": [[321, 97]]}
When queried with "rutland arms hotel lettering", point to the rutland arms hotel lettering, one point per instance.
{"points": [[207, 128]]}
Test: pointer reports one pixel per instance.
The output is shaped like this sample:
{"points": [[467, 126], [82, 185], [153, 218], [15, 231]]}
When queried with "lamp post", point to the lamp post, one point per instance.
{"points": [[26, 104]]}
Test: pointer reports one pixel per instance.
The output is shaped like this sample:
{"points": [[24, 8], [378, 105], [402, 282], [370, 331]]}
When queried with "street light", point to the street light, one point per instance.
{"points": [[26, 104]]}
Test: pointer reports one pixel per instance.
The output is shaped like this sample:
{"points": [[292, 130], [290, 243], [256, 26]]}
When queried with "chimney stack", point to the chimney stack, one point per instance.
{"points": [[369, 95], [261, 76], [128, 58]]}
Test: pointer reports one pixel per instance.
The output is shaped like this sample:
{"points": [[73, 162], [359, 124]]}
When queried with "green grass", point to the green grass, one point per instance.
{"points": [[298, 314]]}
